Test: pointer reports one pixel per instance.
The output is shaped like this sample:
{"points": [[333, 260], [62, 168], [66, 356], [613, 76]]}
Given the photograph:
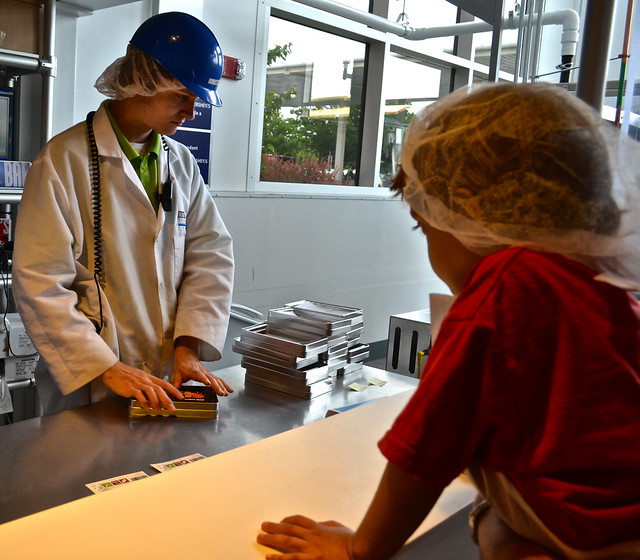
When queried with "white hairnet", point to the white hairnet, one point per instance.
{"points": [[528, 165], [136, 73]]}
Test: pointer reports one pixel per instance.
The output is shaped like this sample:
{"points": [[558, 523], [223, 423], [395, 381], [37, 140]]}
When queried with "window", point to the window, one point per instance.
{"points": [[421, 13], [362, 5], [312, 108], [336, 95], [409, 85]]}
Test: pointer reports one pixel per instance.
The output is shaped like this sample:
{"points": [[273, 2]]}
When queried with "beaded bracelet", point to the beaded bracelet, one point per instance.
{"points": [[476, 513]]}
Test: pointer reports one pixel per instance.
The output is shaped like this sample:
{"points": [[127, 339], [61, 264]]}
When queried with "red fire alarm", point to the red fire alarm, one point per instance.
{"points": [[233, 68]]}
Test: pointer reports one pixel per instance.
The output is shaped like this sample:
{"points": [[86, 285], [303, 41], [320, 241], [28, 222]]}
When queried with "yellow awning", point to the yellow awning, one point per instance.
{"points": [[344, 111], [329, 113], [395, 109]]}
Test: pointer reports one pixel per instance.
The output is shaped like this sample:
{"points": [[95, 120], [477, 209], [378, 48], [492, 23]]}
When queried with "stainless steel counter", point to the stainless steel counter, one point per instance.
{"points": [[47, 461]]}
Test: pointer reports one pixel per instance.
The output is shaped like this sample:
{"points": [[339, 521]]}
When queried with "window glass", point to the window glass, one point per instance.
{"points": [[311, 124], [628, 114], [409, 86], [522, 48], [362, 5], [425, 13]]}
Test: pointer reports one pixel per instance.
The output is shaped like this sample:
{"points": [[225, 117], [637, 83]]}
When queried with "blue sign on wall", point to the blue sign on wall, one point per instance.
{"points": [[196, 135], [199, 143], [202, 119]]}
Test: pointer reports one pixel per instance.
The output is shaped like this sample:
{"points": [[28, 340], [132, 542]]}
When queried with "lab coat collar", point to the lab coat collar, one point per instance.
{"points": [[106, 140], [109, 147]]}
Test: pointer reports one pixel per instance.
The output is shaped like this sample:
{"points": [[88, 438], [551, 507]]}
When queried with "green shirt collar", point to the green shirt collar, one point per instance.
{"points": [[154, 146], [146, 167]]}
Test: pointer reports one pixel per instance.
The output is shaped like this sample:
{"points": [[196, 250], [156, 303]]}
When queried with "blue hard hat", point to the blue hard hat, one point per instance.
{"points": [[187, 49]]}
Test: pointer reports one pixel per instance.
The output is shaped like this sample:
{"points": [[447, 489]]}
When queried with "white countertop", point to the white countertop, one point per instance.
{"points": [[213, 508]]}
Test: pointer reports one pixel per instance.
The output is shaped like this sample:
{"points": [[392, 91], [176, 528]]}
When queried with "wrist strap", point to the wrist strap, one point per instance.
{"points": [[476, 513]]}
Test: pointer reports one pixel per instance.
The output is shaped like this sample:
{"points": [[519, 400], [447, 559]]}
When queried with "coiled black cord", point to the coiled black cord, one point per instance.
{"points": [[166, 196], [96, 199]]}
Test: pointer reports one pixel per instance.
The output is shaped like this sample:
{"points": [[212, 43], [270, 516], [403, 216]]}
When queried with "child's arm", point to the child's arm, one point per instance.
{"points": [[400, 504]]}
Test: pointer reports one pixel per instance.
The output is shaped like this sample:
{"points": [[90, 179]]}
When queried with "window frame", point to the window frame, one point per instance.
{"points": [[378, 45]]}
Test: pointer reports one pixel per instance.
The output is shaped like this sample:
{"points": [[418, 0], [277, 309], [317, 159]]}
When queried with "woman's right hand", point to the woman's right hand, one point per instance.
{"points": [[150, 391]]}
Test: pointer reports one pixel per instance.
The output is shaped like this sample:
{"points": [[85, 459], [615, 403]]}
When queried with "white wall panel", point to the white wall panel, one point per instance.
{"points": [[359, 253], [65, 82], [102, 37], [234, 25]]}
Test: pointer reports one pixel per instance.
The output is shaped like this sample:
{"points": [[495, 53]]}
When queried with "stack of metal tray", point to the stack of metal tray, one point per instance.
{"points": [[356, 356], [344, 358], [302, 347]]}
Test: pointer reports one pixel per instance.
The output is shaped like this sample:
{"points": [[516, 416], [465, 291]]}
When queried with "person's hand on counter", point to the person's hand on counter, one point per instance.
{"points": [[150, 391], [187, 366], [299, 537], [497, 541], [399, 505]]}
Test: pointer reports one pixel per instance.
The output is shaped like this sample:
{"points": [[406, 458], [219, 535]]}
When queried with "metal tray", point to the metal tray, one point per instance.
{"points": [[308, 392], [328, 311], [350, 368], [285, 319], [335, 364], [358, 353], [246, 348], [294, 378], [310, 374], [337, 348], [354, 333], [301, 346]]}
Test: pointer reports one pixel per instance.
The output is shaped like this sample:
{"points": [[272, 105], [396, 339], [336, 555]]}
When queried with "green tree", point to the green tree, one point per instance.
{"points": [[299, 137], [281, 135]]}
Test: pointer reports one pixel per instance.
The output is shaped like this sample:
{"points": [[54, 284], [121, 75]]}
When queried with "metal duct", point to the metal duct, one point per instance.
{"points": [[569, 19], [23, 64]]}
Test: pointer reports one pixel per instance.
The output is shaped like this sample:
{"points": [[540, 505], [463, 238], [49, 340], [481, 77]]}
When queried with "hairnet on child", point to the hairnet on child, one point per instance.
{"points": [[527, 165], [136, 73]]}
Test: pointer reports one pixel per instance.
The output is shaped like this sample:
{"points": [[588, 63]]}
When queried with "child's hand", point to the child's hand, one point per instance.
{"points": [[301, 538]]}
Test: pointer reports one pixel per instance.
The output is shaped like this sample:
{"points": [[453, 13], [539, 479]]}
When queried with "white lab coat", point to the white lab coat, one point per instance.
{"points": [[166, 275]]}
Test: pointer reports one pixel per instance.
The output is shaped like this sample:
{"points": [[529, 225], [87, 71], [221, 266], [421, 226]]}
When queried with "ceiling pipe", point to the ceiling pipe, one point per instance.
{"points": [[19, 63], [376, 22], [569, 19]]}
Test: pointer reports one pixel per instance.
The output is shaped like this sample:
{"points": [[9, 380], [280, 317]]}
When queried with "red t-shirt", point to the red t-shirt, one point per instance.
{"points": [[535, 374]]}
